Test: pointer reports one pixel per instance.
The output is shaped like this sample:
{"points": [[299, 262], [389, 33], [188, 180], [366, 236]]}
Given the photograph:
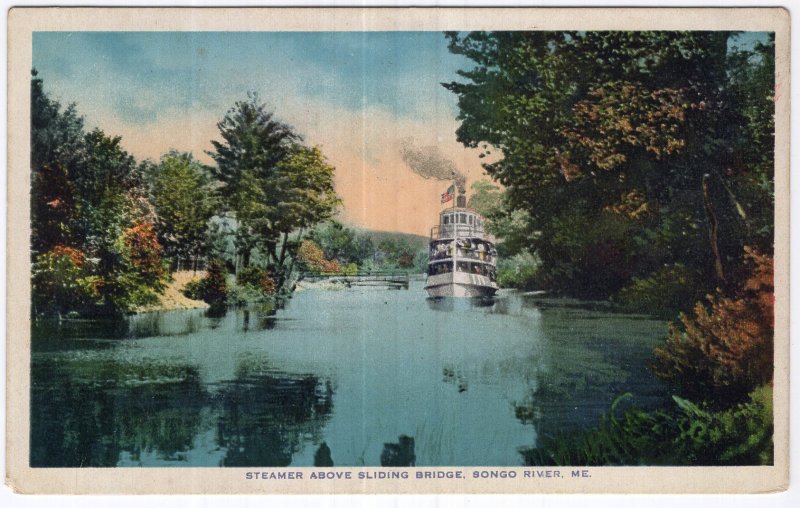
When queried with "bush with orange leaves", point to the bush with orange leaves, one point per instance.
{"points": [[725, 350], [144, 252], [312, 258], [61, 281]]}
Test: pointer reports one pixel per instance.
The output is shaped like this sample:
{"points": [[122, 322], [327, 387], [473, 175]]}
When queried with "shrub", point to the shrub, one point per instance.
{"points": [[663, 293], [212, 288], [519, 271], [250, 276], [215, 288], [144, 252], [258, 278], [312, 258], [724, 351], [193, 289], [138, 274], [61, 281], [687, 434]]}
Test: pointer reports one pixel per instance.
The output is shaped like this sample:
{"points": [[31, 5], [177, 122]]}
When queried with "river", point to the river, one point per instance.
{"points": [[471, 383]]}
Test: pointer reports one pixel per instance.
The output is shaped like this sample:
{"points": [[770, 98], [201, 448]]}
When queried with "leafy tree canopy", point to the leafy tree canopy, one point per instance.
{"points": [[616, 131], [185, 199]]}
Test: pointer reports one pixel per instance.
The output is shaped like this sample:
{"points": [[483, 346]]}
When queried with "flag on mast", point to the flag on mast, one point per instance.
{"points": [[449, 194]]}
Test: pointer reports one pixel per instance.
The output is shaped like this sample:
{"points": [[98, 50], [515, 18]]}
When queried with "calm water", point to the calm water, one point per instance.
{"points": [[472, 384]]}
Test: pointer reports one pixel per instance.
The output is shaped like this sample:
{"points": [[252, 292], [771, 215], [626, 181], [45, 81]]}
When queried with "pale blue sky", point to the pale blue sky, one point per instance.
{"points": [[397, 71], [140, 76]]}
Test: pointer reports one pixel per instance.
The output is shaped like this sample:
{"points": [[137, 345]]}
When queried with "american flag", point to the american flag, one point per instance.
{"points": [[447, 196]]}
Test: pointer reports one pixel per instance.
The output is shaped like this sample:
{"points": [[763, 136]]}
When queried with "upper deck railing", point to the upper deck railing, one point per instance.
{"points": [[452, 230]]}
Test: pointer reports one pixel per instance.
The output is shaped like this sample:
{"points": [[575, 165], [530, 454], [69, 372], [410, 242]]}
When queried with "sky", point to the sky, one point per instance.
{"points": [[360, 96]]}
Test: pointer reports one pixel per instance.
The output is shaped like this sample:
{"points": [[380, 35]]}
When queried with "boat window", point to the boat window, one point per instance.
{"points": [[477, 222], [445, 219], [471, 218], [439, 268], [462, 218]]}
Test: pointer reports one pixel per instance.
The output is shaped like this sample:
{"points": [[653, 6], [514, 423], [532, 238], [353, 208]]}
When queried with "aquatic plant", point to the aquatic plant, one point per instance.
{"points": [[685, 434]]}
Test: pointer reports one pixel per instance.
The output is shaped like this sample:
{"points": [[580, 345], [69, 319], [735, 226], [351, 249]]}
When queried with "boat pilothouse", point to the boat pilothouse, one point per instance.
{"points": [[463, 258]]}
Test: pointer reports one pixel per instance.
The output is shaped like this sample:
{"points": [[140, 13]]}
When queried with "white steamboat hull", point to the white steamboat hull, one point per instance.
{"points": [[459, 284]]}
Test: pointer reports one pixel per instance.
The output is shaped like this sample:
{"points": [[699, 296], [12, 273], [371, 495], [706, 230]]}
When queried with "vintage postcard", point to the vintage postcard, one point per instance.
{"points": [[415, 250]]}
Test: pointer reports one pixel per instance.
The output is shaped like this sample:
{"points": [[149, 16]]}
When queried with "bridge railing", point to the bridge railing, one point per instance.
{"points": [[394, 279], [359, 274]]}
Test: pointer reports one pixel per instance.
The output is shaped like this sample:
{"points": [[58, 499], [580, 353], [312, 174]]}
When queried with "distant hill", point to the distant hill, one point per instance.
{"points": [[416, 241]]}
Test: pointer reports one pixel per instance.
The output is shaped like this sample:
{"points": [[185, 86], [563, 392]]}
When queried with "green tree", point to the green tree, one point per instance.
{"points": [[56, 139], [61, 282], [253, 143], [184, 200], [300, 195], [275, 185], [344, 244], [643, 136], [486, 198], [88, 199]]}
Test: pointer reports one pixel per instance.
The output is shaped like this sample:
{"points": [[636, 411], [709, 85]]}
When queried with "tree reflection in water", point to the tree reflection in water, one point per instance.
{"points": [[99, 413], [185, 389], [266, 418], [400, 454], [91, 412]]}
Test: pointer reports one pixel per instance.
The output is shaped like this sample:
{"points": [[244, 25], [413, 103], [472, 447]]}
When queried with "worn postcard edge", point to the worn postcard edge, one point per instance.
{"points": [[22, 22]]}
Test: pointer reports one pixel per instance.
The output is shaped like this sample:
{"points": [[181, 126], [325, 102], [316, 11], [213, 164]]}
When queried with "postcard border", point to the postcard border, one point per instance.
{"points": [[22, 22]]}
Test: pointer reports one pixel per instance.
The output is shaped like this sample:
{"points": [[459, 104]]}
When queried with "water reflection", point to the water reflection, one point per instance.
{"points": [[400, 454], [322, 457], [444, 304], [81, 328], [265, 419], [352, 377], [588, 362], [90, 412], [265, 318], [98, 413]]}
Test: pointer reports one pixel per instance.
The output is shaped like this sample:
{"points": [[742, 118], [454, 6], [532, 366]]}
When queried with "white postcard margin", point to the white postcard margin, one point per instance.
{"points": [[22, 22]]}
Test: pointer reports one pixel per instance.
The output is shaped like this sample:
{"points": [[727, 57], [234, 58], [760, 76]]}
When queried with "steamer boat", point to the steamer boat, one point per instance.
{"points": [[463, 257]]}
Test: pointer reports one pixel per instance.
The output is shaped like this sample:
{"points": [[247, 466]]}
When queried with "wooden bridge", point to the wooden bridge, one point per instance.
{"points": [[392, 279]]}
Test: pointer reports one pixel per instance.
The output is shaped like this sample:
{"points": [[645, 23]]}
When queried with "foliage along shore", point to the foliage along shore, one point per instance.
{"points": [[107, 230], [638, 167]]}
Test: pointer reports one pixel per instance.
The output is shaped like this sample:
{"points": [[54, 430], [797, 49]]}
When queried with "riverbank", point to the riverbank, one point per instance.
{"points": [[324, 284], [173, 298]]}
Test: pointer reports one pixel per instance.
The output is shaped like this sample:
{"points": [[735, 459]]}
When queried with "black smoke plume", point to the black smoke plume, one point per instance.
{"points": [[428, 162]]}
